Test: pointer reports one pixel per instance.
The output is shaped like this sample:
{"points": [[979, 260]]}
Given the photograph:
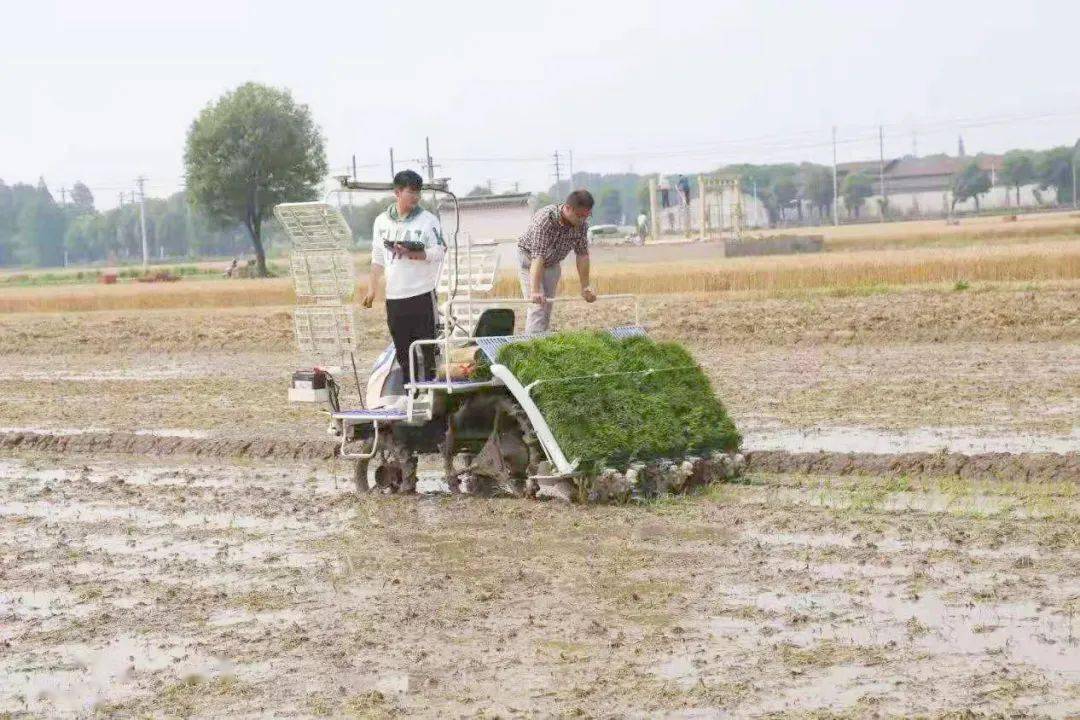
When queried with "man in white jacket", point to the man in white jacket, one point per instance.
{"points": [[407, 251]]}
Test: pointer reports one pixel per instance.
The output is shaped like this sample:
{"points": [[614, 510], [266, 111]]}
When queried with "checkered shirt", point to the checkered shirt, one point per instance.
{"points": [[549, 239]]}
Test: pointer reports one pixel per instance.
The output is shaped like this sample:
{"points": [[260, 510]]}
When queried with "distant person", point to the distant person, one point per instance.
{"points": [[407, 251], [684, 189], [553, 232], [642, 226], [232, 268]]}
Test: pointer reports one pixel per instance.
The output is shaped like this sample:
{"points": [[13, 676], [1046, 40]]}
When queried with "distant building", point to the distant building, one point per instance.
{"points": [[923, 186], [489, 217]]}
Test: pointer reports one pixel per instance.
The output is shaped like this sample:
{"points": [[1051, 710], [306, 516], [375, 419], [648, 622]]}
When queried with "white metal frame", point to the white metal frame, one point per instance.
{"points": [[453, 331]]}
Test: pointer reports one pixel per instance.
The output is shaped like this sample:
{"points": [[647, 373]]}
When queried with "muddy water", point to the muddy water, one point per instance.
{"points": [[967, 441], [214, 590]]}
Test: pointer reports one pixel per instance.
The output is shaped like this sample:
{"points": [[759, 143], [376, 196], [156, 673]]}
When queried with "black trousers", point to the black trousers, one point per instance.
{"points": [[411, 319]]}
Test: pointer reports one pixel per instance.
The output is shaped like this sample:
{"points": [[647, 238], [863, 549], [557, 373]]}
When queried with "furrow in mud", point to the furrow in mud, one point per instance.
{"points": [[981, 466]]}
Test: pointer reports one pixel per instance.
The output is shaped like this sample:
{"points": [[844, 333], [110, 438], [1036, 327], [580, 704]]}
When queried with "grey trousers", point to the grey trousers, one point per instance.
{"points": [[538, 317]]}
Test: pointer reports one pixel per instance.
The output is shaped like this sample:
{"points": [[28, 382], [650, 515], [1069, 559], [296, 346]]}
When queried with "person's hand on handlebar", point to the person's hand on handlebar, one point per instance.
{"points": [[538, 298]]}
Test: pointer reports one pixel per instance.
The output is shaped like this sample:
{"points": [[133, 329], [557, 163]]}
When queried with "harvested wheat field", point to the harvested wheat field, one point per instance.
{"points": [[179, 541]]}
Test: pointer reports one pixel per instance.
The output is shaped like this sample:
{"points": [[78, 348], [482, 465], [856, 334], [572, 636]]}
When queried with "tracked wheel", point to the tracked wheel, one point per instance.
{"points": [[509, 457], [395, 467]]}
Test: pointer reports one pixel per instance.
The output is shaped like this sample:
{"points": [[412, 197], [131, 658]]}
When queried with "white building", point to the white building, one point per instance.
{"points": [[923, 186], [489, 217]]}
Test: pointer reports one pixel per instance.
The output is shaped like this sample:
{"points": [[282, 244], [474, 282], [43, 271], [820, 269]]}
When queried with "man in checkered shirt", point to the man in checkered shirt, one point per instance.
{"points": [[553, 232]]}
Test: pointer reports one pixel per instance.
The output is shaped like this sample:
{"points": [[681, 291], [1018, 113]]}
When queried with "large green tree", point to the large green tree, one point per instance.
{"points": [[785, 192], [81, 198], [819, 190], [1018, 169], [8, 223], [40, 240], [857, 187], [970, 183], [1053, 168], [252, 149]]}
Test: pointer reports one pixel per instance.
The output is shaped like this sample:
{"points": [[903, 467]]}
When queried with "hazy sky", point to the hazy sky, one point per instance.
{"points": [[103, 91]]}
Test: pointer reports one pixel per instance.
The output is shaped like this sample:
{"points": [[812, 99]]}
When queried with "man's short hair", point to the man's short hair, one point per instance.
{"points": [[408, 179], [580, 199]]}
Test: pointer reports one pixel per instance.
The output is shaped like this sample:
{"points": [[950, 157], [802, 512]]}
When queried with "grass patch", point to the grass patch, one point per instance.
{"points": [[829, 653], [194, 692], [651, 400]]}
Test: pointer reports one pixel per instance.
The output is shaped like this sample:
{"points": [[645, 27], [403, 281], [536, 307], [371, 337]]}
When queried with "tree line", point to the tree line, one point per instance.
{"points": [[790, 191], [39, 231], [255, 147]]}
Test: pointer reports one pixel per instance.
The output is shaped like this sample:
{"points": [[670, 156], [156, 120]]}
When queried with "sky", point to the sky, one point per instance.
{"points": [[105, 91]]}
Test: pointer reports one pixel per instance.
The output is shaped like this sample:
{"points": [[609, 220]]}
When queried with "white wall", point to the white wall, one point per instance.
{"points": [[937, 202], [503, 222], [719, 213]]}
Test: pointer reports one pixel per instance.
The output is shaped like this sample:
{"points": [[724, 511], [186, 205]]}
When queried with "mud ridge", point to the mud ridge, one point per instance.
{"points": [[132, 444], [982, 466], [1028, 467]]}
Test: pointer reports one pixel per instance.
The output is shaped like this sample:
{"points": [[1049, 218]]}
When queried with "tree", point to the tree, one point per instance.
{"points": [[643, 201], [40, 239], [82, 198], [970, 183], [255, 147], [1017, 169], [7, 223], [478, 191], [609, 207], [784, 191], [1053, 168], [857, 187], [819, 190]]}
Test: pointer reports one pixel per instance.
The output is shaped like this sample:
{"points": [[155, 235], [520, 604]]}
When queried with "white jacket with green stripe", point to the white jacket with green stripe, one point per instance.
{"points": [[407, 278]]}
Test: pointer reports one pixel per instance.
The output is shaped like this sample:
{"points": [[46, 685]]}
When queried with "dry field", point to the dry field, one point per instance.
{"points": [[993, 362], [848, 271], [176, 587]]}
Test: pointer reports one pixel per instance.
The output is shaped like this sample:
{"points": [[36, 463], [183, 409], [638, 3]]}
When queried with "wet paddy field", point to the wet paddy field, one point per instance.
{"points": [[210, 590], [177, 541]]}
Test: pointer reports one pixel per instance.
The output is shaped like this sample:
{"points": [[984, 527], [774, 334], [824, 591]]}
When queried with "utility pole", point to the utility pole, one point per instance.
{"points": [[570, 181], [757, 213], [915, 143], [516, 185], [835, 190], [121, 199], [490, 192], [558, 177], [430, 164], [354, 167], [881, 171], [142, 220], [63, 196], [391, 162], [654, 209], [702, 217]]}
